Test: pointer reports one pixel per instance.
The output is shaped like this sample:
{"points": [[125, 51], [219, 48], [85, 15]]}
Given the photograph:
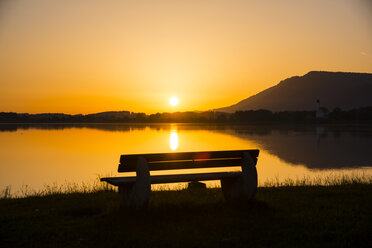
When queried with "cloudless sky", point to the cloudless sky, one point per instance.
{"points": [[86, 56]]}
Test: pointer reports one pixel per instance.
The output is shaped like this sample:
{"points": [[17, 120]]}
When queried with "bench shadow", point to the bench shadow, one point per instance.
{"points": [[198, 219], [193, 201]]}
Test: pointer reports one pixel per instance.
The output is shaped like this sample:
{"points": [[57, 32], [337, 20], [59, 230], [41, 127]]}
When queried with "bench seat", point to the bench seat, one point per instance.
{"points": [[134, 191], [117, 181]]}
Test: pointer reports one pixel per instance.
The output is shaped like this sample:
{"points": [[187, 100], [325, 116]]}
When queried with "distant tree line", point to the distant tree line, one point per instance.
{"points": [[360, 114]]}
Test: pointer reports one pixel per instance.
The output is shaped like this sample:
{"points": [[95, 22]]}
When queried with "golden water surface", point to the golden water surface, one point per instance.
{"points": [[39, 155]]}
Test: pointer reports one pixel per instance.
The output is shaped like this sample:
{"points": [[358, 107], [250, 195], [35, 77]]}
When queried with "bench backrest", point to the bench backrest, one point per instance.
{"points": [[186, 160]]}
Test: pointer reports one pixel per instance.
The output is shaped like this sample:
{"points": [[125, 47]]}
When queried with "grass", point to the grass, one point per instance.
{"points": [[292, 214]]}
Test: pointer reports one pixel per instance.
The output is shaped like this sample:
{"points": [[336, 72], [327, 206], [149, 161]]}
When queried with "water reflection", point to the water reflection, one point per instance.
{"points": [[318, 147], [173, 140], [41, 154]]}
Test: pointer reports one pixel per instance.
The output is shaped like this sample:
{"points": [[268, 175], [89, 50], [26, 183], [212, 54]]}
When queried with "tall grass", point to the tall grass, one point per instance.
{"points": [[6, 193], [335, 179], [52, 189]]}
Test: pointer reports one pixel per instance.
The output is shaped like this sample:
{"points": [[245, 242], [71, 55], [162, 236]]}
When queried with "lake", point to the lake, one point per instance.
{"points": [[36, 155]]}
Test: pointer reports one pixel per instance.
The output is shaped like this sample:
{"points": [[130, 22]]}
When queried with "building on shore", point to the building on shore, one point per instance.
{"points": [[321, 112]]}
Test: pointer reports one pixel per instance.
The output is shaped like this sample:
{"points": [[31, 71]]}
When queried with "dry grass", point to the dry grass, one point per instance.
{"points": [[334, 179]]}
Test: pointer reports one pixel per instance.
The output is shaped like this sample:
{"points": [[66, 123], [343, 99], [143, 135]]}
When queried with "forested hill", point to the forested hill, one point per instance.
{"points": [[345, 90]]}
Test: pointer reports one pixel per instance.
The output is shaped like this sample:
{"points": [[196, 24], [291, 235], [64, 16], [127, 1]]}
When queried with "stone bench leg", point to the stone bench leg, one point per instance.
{"points": [[137, 195], [242, 188]]}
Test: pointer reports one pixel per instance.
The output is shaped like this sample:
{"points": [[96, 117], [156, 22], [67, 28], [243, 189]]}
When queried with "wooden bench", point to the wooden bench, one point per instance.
{"points": [[134, 192]]}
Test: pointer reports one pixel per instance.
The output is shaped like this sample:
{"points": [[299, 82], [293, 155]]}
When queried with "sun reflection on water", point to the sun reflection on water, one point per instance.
{"points": [[173, 141]]}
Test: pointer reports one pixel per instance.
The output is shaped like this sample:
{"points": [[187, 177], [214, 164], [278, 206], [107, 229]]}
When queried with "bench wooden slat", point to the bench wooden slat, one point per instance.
{"points": [[180, 164], [128, 162], [174, 178], [150, 157]]}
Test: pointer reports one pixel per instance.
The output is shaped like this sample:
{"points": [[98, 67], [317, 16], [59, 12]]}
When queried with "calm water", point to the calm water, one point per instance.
{"points": [[38, 155]]}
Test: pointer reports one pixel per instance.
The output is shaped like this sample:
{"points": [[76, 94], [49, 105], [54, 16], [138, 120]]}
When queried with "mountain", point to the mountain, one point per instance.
{"points": [[345, 90]]}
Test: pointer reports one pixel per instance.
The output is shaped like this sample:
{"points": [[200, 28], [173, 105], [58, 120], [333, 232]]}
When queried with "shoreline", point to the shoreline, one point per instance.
{"points": [[330, 180]]}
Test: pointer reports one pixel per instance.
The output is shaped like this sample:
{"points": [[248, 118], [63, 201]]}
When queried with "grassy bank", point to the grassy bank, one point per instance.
{"points": [[285, 216]]}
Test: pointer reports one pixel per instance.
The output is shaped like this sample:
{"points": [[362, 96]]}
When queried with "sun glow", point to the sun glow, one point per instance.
{"points": [[173, 101]]}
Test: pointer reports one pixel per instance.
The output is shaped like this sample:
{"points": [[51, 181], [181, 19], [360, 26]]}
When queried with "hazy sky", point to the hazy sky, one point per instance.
{"points": [[85, 56]]}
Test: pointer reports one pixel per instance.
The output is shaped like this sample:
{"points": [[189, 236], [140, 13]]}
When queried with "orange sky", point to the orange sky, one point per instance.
{"points": [[80, 56]]}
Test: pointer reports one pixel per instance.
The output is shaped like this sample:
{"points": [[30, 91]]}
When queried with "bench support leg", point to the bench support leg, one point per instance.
{"points": [[244, 187], [126, 195], [136, 196]]}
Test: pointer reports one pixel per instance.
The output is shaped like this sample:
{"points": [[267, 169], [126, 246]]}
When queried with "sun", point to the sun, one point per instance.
{"points": [[173, 101]]}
